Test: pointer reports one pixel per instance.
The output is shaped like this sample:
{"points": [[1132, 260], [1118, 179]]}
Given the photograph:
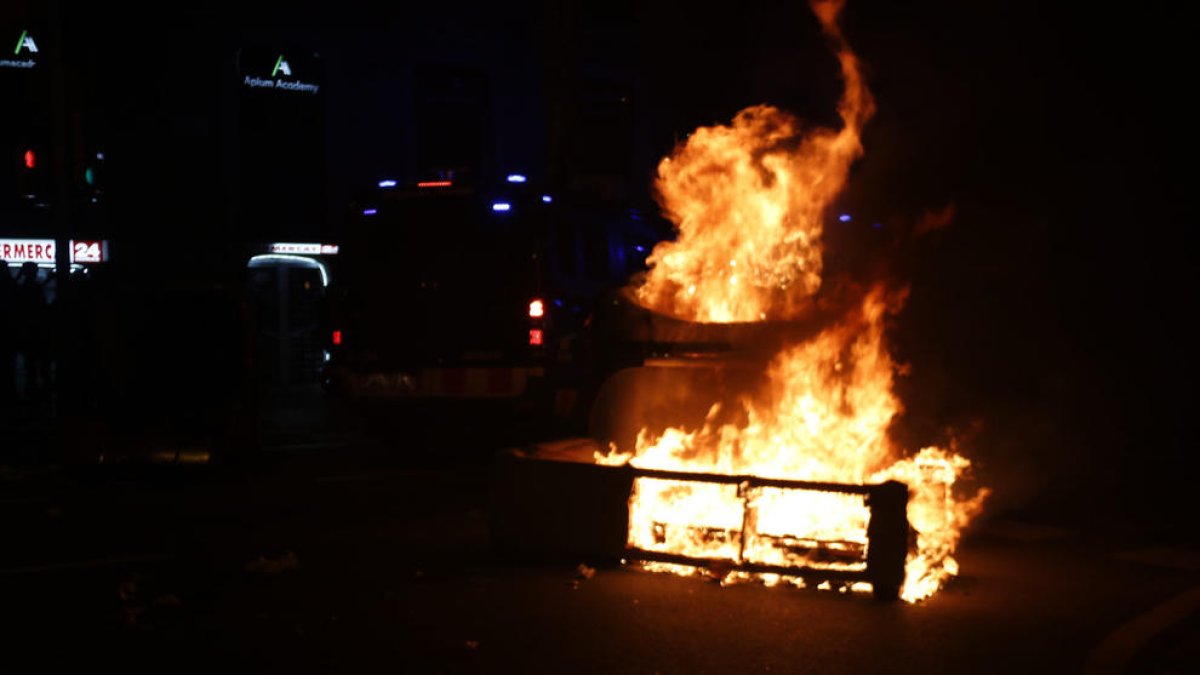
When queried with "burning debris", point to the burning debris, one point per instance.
{"points": [[807, 443]]}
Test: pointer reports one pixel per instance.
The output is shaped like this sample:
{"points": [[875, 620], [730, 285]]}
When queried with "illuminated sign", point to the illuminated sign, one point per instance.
{"points": [[303, 249], [42, 251], [25, 42], [23, 53], [253, 72], [89, 251]]}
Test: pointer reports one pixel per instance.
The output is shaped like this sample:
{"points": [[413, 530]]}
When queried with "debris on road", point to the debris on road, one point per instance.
{"points": [[582, 572], [265, 565]]}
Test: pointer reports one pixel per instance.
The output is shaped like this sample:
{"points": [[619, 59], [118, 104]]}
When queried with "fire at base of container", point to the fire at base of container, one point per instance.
{"points": [[844, 536]]}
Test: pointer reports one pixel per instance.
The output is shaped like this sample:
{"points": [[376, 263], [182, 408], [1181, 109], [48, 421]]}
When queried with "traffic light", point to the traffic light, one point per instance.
{"points": [[93, 171], [31, 172]]}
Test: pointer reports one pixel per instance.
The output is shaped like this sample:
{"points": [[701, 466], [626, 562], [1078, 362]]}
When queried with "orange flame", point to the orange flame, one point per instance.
{"points": [[748, 200]]}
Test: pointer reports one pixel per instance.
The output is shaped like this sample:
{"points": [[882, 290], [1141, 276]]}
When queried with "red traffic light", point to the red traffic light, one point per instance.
{"points": [[30, 159]]}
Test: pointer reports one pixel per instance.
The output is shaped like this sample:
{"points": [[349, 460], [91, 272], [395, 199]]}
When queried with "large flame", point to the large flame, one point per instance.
{"points": [[748, 200]]}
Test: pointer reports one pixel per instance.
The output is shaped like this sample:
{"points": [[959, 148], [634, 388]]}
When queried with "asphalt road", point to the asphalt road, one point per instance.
{"points": [[341, 553]]}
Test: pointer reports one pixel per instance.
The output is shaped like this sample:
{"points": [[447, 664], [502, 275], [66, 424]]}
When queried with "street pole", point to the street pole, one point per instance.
{"points": [[61, 206]]}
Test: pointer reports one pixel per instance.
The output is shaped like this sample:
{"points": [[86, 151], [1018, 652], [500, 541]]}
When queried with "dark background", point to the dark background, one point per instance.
{"points": [[1047, 325]]}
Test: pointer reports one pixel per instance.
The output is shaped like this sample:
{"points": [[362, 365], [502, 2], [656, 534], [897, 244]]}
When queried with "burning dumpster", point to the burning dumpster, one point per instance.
{"points": [[554, 501], [752, 441]]}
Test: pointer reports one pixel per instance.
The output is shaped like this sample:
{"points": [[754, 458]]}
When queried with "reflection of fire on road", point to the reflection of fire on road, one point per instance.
{"points": [[748, 201]]}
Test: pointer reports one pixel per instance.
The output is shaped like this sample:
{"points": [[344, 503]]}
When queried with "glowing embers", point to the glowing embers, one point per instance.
{"points": [[800, 530]]}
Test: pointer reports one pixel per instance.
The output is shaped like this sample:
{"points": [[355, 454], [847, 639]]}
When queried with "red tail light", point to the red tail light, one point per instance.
{"points": [[535, 336], [536, 309], [435, 183], [337, 337]]}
